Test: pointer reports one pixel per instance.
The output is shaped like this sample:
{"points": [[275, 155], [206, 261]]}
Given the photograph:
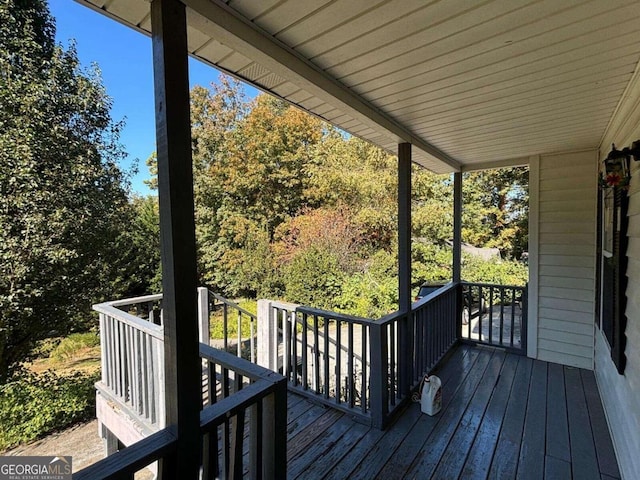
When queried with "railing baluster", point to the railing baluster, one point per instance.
{"points": [[350, 373], [363, 392], [316, 355], [480, 330], [326, 357], [294, 344], [513, 315], [305, 355], [252, 340], [239, 339], [501, 315], [286, 344], [337, 368], [225, 327], [393, 384], [491, 314]]}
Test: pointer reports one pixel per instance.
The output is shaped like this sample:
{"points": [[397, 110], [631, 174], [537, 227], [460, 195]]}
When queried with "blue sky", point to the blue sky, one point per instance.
{"points": [[124, 57]]}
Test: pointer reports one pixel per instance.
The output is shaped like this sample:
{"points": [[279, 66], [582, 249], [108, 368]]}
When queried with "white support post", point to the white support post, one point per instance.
{"points": [[204, 336], [203, 316], [266, 335]]}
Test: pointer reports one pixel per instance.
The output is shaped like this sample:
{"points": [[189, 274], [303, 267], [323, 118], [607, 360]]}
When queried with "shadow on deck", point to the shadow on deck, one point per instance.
{"points": [[503, 416]]}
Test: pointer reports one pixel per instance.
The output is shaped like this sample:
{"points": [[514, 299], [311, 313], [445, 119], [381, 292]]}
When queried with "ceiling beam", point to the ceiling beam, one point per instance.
{"points": [[228, 27], [510, 162]]}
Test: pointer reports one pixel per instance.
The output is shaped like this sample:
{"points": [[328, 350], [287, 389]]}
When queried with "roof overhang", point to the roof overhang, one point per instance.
{"points": [[470, 84]]}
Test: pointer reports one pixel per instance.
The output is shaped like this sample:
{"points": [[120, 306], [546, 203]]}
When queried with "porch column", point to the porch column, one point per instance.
{"points": [[404, 227], [457, 248], [404, 268], [457, 226], [177, 236]]}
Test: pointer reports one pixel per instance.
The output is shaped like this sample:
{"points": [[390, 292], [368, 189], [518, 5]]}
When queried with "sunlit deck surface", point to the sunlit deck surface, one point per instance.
{"points": [[503, 416]]}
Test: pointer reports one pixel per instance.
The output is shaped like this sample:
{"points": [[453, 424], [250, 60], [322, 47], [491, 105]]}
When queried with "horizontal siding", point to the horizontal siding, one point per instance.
{"points": [[564, 359], [621, 393], [566, 250], [564, 348], [568, 337], [567, 239], [575, 182], [566, 258], [569, 227], [563, 282], [553, 325], [568, 293], [568, 272], [566, 304], [567, 316], [552, 205]]}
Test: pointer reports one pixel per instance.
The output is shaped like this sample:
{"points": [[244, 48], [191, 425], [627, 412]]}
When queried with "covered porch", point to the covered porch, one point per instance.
{"points": [[453, 87]]}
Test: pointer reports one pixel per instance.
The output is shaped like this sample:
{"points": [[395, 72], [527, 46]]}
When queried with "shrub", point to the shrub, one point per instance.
{"points": [[32, 405], [501, 272], [313, 278], [372, 293]]}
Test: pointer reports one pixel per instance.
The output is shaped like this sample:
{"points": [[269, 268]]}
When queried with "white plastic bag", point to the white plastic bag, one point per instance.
{"points": [[431, 398]]}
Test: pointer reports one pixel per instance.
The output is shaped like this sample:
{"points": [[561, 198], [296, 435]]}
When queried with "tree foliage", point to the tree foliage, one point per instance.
{"points": [[495, 209], [61, 191], [290, 207]]}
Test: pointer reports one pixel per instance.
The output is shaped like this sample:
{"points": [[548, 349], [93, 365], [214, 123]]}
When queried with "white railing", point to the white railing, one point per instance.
{"points": [[243, 405], [133, 357]]}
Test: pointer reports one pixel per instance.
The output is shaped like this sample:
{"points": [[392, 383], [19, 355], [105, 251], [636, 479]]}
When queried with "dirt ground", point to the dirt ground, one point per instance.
{"points": [[81, 442]]}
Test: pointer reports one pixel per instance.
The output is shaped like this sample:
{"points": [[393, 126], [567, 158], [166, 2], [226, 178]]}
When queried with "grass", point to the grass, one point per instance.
{"points": [[79, 352]]}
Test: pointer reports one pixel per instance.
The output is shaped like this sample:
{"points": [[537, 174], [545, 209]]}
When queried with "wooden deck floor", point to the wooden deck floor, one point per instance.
{"points": [[503, 416]]}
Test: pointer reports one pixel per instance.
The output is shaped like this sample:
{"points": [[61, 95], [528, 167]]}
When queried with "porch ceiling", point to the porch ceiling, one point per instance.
{"points": [[470, 84]]}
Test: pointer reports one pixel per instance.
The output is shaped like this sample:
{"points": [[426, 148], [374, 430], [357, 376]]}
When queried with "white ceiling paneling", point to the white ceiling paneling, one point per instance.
{"points": [[468, 83]]}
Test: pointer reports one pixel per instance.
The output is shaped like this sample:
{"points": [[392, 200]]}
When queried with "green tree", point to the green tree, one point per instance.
{"points": [[495, 209], [61, 191], [137, 266]]}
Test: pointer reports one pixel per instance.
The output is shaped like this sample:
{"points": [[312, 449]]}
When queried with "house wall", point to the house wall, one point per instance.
{"points": [[564, 211], [621, 393]]}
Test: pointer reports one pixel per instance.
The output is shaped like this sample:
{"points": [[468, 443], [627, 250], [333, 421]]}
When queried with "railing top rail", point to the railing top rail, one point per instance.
{"points": [[215, 414], [134, 300], [145, 326], [334, 315], [238, 365], [131, 459], [232, 304], [434, 295], [494, 285], [294, 307]]}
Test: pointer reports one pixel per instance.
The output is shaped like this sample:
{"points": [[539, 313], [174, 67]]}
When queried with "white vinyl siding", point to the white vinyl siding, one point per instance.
{"points": [[621, 393], [566, 258]]}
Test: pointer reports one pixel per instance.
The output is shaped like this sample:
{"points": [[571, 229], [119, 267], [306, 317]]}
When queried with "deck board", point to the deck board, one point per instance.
{"points": [[480, 454], [503, 416], [452, 374], [584, 462], [453, 459], [435, 446], [505, 459], [532, 448], [557, 426], [604, 446]]}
